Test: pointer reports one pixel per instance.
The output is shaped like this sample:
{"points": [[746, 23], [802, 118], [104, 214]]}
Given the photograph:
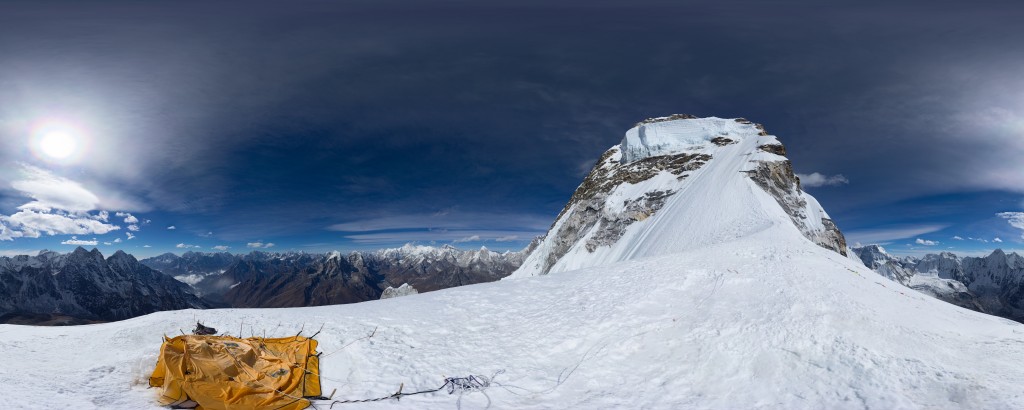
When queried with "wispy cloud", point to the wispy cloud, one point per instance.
{"points": [[80, 242], [891, 233], [472, 238], [435, 236], [446, 219], [815, 179], [1015, 219], [260, 244], [171, 228], [187, 246], [926, 242], [222, 248]]}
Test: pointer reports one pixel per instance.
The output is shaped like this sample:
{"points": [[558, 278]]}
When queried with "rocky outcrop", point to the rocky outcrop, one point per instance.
{"points": [[778, 179]]}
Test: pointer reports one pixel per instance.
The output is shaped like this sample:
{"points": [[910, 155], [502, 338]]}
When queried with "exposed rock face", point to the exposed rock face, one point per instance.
{"points": [[778, 179], [404, 290], [82, 286], [634, 180], [301, 280]]}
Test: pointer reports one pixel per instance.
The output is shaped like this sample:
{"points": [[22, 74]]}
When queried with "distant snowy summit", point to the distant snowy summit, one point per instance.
{"points": [[992, 284], [404, 290], [678, 183]]}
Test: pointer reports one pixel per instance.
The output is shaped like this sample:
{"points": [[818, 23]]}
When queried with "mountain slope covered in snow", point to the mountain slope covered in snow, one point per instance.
{"points": [[719, 300], [677, 183]]}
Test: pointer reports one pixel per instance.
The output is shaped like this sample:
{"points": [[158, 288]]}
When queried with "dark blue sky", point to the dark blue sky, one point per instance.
{"points": [[353, 125]]}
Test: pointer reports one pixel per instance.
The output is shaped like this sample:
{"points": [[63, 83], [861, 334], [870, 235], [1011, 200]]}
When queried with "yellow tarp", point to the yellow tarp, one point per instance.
{"points": [[228, 373]]}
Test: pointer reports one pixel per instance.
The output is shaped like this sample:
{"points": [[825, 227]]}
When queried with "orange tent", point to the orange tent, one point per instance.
{"points": [[228, 373]]}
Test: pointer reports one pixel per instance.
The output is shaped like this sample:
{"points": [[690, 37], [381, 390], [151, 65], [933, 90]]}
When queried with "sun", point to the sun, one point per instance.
{"points": [[56, 141], [57, 144]]}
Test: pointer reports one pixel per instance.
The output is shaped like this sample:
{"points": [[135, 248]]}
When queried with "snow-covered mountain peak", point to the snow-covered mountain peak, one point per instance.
{"points": [[677, 183], [682, 133]]}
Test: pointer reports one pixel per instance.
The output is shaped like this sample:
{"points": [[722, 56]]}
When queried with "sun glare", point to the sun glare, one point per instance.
{"points": [[57, 145], [56, 141]]}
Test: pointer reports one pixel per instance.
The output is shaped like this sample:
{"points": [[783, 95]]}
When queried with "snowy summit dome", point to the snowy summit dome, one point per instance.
{"points": [[680, 133]]}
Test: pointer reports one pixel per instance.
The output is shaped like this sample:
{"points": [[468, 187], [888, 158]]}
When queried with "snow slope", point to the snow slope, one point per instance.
{"points": [[768, 320], [717, 301]]}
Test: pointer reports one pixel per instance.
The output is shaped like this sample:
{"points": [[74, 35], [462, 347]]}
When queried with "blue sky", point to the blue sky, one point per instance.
{"points": [[362, 125]]}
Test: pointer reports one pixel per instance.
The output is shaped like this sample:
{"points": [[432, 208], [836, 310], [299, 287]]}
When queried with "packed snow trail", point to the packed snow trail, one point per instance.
{"points": [[766, 321]]}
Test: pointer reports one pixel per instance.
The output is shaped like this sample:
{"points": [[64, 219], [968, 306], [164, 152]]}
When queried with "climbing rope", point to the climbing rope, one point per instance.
{"points": [[460, 385]]}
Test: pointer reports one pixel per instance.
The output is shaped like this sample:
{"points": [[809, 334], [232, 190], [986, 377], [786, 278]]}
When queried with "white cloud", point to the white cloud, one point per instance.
{"points": [[133, 228], [926, 242], [260, 244], [187, 246], [31, 223], [130, 236], [1015, 219], [958, 238], [171, 228], [107, 243], [59, 206], [117, 240], [997, 240], [816, 179], [146, 246], [222, 248], [507, 238], [206, 235], [80, 242], [473, 238], [53, 192], [891, 233]]}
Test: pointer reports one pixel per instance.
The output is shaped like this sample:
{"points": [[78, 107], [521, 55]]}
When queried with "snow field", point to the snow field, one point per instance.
{"points": [[752, 323]]}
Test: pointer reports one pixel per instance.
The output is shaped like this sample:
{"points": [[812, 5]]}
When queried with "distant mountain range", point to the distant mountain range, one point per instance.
{"points": [[83, 287], [992, 284]]}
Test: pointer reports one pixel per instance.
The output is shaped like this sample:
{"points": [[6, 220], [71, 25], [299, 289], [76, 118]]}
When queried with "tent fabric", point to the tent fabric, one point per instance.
{"points": [[229, 373]]}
